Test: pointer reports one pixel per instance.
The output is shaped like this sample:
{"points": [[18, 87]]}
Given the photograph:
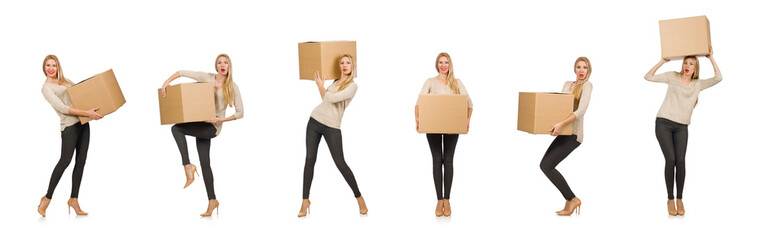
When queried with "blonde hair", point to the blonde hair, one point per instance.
{"points": [[228, 93], [579, 87], [696, 73], [349, 78], [59, 73], [450, 79]]}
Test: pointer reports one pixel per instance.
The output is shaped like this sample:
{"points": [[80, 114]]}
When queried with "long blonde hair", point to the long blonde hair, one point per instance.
{"points": [[349, 78], [228, 93], [59, 73], [579, 87], [450, 79]]}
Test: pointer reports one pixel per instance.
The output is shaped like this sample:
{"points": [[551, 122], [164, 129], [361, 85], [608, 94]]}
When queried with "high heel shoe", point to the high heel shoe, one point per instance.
{"points": [[566, 207], [446, 208], [304, 208], [671, 207], [73, 204], [211, 207], [679, 207], [190, 170], [362, 205], [574, 205], [44, 201], [439, 208]]}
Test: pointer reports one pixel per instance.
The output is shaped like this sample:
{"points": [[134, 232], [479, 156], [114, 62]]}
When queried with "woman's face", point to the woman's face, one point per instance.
{"points": [[443, 65], [582, 70], [346, 66], [222, 66], [51, 68], [688, 67]]}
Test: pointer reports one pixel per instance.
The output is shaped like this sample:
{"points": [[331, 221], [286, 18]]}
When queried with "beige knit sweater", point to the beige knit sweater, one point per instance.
{"points": [[59, 99], [220, 104], [583, 104], [680, 100], [432, 86], [333, 105]]}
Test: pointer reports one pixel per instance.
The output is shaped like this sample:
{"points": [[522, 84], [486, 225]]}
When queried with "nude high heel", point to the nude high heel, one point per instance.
{"points": [[446, 208], [44, 201], [362, 205], [439, 208], [671, 207], [574, 205], [214, 204], [73, 204], [304, 208], [190, 170], [679, 207]]}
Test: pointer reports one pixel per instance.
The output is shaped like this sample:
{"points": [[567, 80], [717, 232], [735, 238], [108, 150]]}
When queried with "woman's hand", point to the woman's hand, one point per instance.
{"points": [[318, 79], [215, 120], [164, 91], [665, 60], [710, 52], [92, 114], [555, 130]]}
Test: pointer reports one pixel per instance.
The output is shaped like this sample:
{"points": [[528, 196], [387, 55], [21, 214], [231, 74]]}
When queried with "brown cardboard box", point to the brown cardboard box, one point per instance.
{"points": [[100, 91], [685, 37], [538, 112], [187, 102], [324, 57], [443, 113]]}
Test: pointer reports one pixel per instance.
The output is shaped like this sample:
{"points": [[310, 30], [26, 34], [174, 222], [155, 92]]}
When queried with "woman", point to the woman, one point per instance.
{"points": [[226, 94], [563, 145], [674, 116], [74, 136], [325, 121], [443, 146]]}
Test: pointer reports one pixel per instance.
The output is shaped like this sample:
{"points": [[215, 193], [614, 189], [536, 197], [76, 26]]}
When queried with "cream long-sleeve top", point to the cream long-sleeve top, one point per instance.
{"points": [[680, 100], [220, 104], [332, 107], [59, 99], [432, 86], [583, 104]]}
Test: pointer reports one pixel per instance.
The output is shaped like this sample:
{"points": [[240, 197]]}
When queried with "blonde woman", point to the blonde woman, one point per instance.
{"points": [[674, 117], [325, 121], [563, 145], [226, 95], [74, 136], [443, 146]]}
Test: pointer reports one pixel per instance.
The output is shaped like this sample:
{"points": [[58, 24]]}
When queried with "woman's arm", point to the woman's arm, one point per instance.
{"points": [[650, 76], [343, 95], [707, 83], [583, 104], [237, 103], [320, 83], [59, 106], [167, 83]]}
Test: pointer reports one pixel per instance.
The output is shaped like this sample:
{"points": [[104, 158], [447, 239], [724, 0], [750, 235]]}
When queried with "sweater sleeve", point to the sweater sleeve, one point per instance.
{"points": [[54, 101], [707, 83], [425, 90], [463, 90], [583, 103], [343, 95], [237, 102], [663, 77], [198, 76]]}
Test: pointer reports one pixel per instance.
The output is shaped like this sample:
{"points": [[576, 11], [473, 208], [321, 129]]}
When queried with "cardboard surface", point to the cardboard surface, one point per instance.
{"points": [[685, 37], [187, 102], [324, 57], [443, 113], [538, 112], [100, 91]]}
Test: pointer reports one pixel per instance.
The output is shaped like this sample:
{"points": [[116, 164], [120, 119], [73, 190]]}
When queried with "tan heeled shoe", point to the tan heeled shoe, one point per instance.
{"points": [[304, 208], [446, 208], [190, 170], [679, 207], [44, 201], [574, 205], [439, 208], [214, 204], [563, 208], [362, 205], [73, 204], [671, 207]]}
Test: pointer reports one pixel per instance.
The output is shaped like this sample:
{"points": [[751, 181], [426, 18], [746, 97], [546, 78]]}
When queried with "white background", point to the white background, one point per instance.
{"points": [[133, 179]]}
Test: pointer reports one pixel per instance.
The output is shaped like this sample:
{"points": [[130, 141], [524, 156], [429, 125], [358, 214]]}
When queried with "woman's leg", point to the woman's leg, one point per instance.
{"points": [[312, 139], [203, 147], [449, 148], [560, 148], [664, 132], [436, 149], [68, 144], [79, 161], [334, 141], [680, 145]]}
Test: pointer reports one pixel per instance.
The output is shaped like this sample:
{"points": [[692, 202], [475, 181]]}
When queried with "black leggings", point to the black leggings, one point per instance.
{"points": [[672, 137], [333, 138], [560, 148], [74, 137], [442, 147], [203, 133]]}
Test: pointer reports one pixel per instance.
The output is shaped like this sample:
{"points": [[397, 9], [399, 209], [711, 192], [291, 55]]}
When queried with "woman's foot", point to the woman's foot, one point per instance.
{"points": [[76, 206], [211, 207], [671, 207], [190, 170], [679, 207], [574, 205], [44, 201], [565, 207], [439, 208], [446, 208], [362, 205], [304, 208]]}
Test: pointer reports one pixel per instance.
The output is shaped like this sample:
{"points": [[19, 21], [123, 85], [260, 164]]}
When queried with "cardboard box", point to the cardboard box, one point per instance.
{"points": [[100, 91], [443, 113], [187, 102], [538, 112], [685, 37], [324, 57]]}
